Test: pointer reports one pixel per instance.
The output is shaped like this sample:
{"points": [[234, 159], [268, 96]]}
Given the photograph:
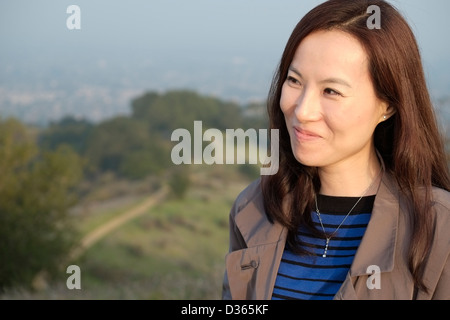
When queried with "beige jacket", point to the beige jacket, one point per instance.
{"points": [[256, 247]]}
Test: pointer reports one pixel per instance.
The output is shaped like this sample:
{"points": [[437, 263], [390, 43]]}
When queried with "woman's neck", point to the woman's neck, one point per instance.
{"points": [[351, 178]]}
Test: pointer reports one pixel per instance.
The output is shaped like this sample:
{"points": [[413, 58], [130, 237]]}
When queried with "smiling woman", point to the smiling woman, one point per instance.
{"points": [[363, 182], [331, 109]]}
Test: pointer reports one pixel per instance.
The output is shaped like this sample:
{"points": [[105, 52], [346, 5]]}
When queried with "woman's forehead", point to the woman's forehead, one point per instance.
{"points": [[327, 54]]}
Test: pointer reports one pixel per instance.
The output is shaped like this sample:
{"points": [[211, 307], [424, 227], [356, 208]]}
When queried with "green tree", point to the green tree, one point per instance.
{"points": [[36, 191], [175, 109], [141, 163], [69, 131], [112, 139], [125, 146], [179, 182]]}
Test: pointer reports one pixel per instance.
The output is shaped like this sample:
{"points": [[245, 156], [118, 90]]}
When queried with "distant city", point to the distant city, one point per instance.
{"points": [[229, 50], [98, 90]]}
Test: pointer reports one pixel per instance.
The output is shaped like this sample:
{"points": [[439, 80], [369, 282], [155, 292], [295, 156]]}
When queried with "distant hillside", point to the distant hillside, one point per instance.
{"points": [[137, 145]]}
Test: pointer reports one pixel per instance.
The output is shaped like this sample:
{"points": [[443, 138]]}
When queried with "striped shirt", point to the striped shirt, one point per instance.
{"points": [[313, 276]]}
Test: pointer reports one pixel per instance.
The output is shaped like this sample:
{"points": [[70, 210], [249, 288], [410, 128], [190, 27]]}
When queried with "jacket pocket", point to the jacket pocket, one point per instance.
{"points": [[242, 267]]}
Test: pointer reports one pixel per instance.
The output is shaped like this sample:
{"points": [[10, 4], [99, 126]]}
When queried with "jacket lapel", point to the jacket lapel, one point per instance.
{"points": [[254, 225], [378, 244], [379, 241], [256, 265]]}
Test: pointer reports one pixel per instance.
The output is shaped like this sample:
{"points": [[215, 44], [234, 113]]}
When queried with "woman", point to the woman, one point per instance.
{"points": [[360, 206]]}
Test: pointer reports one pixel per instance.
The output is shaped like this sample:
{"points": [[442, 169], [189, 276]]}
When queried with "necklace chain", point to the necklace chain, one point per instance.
{"points": [[334, 232]]}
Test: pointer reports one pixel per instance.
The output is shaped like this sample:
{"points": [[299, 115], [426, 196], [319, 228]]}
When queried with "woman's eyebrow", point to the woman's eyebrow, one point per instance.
{"points": [[291, 68], [328, 80], [336, 80]]}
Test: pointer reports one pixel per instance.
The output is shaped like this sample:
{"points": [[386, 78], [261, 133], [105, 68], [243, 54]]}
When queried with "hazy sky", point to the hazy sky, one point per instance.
{"points": [[194, 32]]}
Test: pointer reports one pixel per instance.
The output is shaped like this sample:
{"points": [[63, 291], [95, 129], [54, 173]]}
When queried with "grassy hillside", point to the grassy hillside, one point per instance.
{"points": [[175, 250]]}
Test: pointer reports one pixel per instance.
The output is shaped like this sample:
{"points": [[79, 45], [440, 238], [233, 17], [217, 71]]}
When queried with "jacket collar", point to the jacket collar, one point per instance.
{"points": [[378, 244], [252, 221], [376, 248]]}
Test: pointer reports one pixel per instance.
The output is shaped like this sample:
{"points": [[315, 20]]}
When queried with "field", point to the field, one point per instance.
{"points": [[174, 249]]}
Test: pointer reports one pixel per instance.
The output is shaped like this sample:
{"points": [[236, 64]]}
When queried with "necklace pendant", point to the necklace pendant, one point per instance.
{"points": [[326, 248]]}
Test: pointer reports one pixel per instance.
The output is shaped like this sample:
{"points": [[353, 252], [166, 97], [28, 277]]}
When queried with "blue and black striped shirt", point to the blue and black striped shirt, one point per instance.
{"points": [[314, 276]]}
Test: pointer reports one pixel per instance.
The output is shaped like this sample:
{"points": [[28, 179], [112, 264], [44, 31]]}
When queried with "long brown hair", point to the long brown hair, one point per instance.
{"points": [[409, 141]]}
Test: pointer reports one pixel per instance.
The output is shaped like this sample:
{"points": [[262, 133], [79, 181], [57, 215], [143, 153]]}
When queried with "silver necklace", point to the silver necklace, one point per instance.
{"points": [[334, 232]]}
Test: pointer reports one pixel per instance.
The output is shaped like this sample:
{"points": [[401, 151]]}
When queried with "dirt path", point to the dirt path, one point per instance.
{"points": [[39, 281], [116, 222]]}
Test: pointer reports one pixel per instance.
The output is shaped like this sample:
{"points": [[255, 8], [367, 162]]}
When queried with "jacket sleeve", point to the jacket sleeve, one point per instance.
{"points": [[236, 242], [442, 225]]}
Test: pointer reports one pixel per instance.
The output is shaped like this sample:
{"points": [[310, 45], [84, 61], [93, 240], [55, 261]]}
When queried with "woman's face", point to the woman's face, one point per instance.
{"points": [[329, 102]]}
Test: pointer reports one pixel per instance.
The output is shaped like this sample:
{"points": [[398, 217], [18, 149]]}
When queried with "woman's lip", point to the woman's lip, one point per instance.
{"points": [[305, 135]]}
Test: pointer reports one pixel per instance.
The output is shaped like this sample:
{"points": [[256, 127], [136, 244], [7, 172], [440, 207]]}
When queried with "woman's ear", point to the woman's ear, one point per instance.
{"points": [[388, 111]]}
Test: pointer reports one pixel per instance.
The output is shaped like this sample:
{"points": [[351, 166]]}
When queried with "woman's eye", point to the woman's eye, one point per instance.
{"points": [[293, 80], [331, 92]]}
